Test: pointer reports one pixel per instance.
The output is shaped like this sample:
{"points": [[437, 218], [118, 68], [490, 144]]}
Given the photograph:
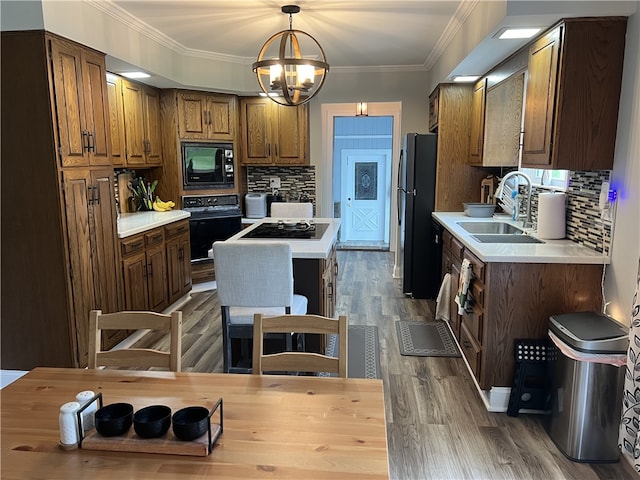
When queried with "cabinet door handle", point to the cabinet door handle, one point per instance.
{"points": [[276, 149], [268, 149], [210, 117], [91, 142], [85, 141], [96, 196], [466, 344], [149, 269], [144, 270], [91, 195], [330, 290]]}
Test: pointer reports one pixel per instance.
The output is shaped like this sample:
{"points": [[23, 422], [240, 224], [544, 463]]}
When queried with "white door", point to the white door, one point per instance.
{"points": [[365, 199]]}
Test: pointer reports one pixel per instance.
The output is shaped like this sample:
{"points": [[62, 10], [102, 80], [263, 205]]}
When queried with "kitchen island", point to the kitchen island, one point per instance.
{"points": [[514, 289], [315, 266]]}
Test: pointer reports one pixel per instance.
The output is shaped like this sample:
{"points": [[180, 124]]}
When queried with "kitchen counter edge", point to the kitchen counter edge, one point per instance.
{"points": [[302, 248], [138, 222], [552, 251]]}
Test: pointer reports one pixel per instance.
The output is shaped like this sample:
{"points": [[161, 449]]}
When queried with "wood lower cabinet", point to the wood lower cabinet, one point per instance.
{"points": [[144, 267], [272, 134], [178, 259], [58, 214], [329, 284], [573, 91], [156, 267], [510, 301]]}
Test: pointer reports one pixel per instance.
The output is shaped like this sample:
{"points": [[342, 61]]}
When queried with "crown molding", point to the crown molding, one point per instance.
{"points": [[144, 29], [455, 24]]}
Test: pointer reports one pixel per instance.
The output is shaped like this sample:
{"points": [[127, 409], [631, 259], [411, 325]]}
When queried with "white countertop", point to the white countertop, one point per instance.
{"points": [[303, 248], [138, 222], [551, 251]]}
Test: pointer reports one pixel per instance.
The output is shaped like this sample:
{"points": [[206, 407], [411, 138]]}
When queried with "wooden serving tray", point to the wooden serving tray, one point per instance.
{"points": [[167, 444]]}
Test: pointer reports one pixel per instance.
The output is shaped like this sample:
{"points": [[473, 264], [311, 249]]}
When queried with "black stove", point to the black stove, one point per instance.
{"points": [[300, 230], [213, 218], [212, 206]]}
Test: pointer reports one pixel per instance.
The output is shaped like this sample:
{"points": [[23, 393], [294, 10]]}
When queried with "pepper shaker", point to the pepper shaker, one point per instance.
{"points": [[69, 425], [88, 413]]}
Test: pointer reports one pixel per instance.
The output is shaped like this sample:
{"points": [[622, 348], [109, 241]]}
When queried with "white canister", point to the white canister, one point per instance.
{"points": [[87, 417], [551, 216], [255, 205], [69, 425]]}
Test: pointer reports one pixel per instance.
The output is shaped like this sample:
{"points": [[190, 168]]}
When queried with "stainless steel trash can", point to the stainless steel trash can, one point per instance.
{"points": [[586, 397]]}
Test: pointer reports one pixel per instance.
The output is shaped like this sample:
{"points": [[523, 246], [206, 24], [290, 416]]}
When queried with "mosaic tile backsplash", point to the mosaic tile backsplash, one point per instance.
{"points": [[584, 223], [296, 183]]}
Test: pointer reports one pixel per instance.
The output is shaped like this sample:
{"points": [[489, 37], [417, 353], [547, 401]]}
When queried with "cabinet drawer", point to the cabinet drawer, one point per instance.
{"points": [[176, 228], [154, 237], [132, 244], [476, 264], [473, 322], [470, 350], [450, 243], [477, 292]]}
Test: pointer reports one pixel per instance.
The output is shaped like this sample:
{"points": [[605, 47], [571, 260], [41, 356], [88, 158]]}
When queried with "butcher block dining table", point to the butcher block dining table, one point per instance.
{"points": [[274, 426]]}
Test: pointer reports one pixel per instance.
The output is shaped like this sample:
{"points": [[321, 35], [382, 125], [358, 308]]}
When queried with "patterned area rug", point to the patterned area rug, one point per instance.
{"points": [[426, 339], [364, 352]]}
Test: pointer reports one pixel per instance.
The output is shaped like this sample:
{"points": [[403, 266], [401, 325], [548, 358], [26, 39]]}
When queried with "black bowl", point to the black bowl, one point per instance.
{"points": [[190, 423], [152, 421], [114, 419]]}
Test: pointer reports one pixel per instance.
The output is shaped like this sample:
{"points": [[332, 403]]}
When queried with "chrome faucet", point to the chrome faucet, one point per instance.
{"points": [[526, 221]]}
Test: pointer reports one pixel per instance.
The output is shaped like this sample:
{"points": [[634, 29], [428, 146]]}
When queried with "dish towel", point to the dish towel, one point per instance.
{"points": [[442, 302], [463, 286]]}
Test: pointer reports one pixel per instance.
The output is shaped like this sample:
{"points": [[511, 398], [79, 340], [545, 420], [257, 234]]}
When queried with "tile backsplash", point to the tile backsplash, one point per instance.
{"points": [[584, 223], [296, 183]]}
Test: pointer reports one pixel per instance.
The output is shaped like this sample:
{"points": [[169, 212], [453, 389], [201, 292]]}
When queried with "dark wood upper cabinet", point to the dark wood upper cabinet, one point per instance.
{"points": [[476, 138], [573, 94]]}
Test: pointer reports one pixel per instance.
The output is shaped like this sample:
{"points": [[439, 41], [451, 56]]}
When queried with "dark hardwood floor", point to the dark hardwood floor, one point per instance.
{"points": [[437, 425]]}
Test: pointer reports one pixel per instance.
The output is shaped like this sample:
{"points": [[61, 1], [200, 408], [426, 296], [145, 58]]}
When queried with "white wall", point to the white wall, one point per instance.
{"points": [[409, 88], [625, 254]]}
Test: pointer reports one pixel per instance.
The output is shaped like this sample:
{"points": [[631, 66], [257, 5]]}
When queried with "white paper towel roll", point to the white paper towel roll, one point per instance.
{"points": [[551, 215]]}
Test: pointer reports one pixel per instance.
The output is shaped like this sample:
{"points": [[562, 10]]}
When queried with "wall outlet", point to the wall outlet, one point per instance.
{"points": [[274, 182]]}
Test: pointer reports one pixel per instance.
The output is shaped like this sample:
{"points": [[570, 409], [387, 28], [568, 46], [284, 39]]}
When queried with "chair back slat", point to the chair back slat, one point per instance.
{"points": [[135, 357], [299, 361]]}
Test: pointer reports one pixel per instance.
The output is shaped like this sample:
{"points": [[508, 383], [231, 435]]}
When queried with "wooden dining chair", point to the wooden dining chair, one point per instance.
{"points": [[292, 209], [295, 361], [135, 357], [252, 277]]}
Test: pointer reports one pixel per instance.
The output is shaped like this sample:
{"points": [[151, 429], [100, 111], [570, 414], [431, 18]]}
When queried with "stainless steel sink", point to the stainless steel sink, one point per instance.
{"points": [[491, 227], [498, 238]]}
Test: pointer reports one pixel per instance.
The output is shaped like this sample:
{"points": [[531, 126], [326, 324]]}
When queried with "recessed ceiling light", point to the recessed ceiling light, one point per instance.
{"points": [[135, 75], [511, 33], [466, 78]]}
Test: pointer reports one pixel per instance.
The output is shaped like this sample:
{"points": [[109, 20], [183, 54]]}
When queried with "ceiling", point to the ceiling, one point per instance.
{"points": [[372, 35]]}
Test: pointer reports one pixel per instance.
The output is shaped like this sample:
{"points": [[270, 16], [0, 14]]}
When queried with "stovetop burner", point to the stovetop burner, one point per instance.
{"points": [[291, 230]]}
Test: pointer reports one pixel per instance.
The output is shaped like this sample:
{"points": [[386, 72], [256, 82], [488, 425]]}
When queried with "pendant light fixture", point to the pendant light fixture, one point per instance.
{"points": [[291, 66]]}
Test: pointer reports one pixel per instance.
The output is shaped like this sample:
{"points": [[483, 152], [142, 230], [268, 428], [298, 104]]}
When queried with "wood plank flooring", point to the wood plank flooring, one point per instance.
{"points": [[437, 425]]}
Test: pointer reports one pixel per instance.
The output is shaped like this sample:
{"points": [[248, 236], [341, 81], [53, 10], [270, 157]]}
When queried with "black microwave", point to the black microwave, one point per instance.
{"points": [[207, 165]]}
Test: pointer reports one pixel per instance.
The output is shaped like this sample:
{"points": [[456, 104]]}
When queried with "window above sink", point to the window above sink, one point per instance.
{"points": [[549, 179]]}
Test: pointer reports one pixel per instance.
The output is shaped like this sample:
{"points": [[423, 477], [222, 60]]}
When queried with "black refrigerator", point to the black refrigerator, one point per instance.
{"points": [[420, 252]]}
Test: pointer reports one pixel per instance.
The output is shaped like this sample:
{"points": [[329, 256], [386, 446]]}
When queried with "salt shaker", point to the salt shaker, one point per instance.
{"points": [[69, 425], [88, 413]]}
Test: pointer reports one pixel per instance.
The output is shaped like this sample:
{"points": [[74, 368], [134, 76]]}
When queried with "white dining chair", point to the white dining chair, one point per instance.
{"points": [[252, 277], [292, 209]]}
